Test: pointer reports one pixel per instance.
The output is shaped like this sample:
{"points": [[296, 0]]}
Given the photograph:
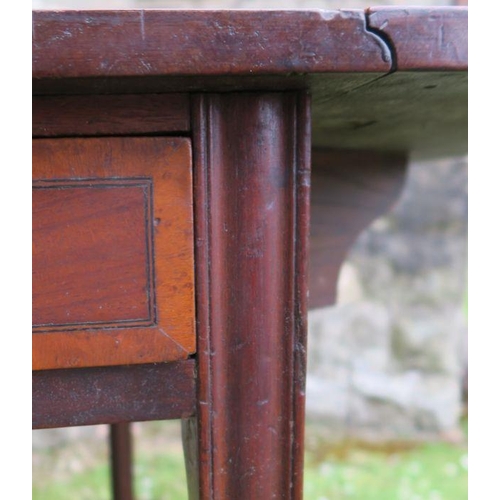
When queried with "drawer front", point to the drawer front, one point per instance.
{"points": [[113, 258]]}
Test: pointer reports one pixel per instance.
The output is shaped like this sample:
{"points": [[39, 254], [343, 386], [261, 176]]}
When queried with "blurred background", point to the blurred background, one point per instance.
{"points": [[387, 366]]}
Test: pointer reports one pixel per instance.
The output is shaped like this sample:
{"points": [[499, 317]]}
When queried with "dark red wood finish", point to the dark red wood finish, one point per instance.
{"points": [[106, 395], [121, 455], [384, 79], [252, 191], [140, 43], [424, 38], [80, 115], [349, 190], [92, 265]]}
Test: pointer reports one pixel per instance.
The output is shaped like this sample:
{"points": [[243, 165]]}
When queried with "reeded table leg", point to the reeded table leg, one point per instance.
{"points": [[251, 160]]}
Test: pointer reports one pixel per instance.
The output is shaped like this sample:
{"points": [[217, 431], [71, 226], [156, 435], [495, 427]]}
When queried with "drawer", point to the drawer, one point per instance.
{"points": [[113, 279]]}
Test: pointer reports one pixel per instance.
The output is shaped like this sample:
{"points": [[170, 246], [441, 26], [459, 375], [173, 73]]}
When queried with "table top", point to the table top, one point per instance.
{"points": [[384, 79]]}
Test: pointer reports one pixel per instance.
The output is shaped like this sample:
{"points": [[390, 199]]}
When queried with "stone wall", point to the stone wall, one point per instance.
{"points": [[387, 363]]}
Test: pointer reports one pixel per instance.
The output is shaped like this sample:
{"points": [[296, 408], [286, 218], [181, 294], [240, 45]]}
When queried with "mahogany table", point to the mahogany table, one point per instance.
{"points": [[172, 212]]}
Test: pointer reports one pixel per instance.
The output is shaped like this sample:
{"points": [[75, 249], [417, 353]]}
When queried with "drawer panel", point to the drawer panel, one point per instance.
{"points": [[92, 252], [112, 251]]}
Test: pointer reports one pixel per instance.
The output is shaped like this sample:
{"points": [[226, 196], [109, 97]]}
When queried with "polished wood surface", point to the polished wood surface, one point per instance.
{"points": [[420, 106], [113, 394], [92, 254], [80, 115], [392, 79], [135, 43], [112, 251], [110, 44], [424, 38], [252, 200]]}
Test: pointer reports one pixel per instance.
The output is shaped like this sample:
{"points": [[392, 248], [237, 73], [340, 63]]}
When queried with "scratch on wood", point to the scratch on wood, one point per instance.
{"points": [[143, 30], [441, 37]]}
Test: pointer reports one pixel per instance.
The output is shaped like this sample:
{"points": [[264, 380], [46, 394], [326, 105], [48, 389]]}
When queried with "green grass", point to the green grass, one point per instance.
{"points": [[92, 484], [430, 472]]}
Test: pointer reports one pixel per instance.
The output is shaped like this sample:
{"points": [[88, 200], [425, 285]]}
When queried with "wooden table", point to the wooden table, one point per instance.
{"points": [[172, 211]]}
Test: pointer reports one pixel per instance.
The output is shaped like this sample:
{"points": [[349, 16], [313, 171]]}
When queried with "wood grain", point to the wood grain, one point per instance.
{"points": [[421, 106], [424, 38], [80, 115], [92, 254], [422, 113], [105, 395], [349, 189], [92, 263], [399, 85], [252, 198], [73, 44]]}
